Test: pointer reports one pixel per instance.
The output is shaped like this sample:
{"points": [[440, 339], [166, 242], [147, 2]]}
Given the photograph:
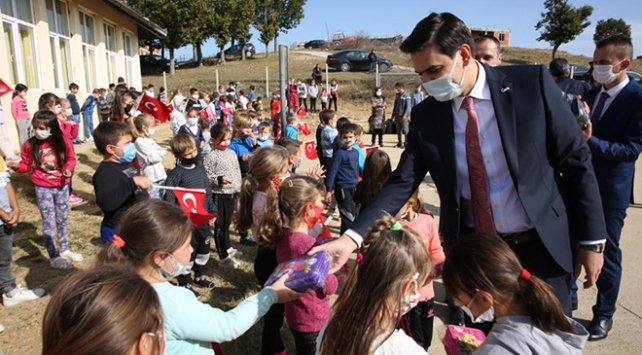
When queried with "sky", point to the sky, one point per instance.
{"points": [[379, 18]]}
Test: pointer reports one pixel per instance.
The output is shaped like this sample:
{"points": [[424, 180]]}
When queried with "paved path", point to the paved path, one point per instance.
{"points": [[626, 336]]}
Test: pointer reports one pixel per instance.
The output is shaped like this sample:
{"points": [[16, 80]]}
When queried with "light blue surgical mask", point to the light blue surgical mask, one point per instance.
{"points": [[444, 88], [129, 153], [177, 268]]}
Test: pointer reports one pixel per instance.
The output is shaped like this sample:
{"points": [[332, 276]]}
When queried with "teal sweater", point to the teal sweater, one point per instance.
{"points": [[191, 326]]}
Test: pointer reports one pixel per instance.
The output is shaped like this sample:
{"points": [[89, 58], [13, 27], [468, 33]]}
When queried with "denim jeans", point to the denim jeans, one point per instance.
{"points": [[88, 122], [7, 282]]}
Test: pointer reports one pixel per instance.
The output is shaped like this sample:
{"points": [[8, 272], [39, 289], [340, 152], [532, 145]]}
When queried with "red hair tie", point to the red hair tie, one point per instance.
{"points": [[525, 275], [118, 241], [359, 257]]}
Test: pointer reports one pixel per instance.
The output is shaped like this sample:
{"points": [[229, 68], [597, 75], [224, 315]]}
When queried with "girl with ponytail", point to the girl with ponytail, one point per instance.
{"points": [[392, 265], [487, 280]]}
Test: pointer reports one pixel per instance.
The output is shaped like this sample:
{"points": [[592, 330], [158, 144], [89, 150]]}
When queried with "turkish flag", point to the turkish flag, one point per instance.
{"points": [[303, 127], [152, 106], [310, 150], [371, 149], [192, 202], [4, 88]]}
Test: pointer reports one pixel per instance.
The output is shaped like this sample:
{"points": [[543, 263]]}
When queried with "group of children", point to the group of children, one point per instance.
{"points": [[257, 188]]}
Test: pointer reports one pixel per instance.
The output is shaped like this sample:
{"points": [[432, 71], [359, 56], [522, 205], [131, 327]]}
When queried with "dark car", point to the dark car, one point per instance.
{"points": [[153, 64], [235, 51], [317, 43], [355, 60], [583, 74]]}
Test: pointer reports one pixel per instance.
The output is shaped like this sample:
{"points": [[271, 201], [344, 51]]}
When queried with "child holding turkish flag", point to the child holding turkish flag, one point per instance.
{"points": [[189, 174]]}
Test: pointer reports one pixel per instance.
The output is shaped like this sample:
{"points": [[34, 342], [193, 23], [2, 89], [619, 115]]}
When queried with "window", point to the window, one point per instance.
{"points": [[17, 29], [88, 50], [129, 60], [501, 37], [57, 17], [87, 28], [58, 21], [110, 37]]}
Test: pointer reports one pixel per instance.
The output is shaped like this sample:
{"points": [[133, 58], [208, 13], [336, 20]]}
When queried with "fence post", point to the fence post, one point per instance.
{"points": [[327, 79], [377, 77], [283, 64], [267, 82], [165, 86], [216, 74]]}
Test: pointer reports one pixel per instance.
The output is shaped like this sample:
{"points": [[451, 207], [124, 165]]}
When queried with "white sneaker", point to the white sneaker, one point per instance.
{"points": [[60, 263], [19, 295], [234, 252], [229, 261], [1, 328], [70, 256]]}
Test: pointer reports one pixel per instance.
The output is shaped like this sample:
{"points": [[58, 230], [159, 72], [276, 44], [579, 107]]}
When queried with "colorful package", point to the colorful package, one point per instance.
{"points": [[306, 273], [462, 340]]}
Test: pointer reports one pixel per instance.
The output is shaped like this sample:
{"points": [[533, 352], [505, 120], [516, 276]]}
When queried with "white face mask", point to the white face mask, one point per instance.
{"points": [[487, 316], [378, 93], [444, 88], [43, 134], [151, 131], [192, 121], [68, 112], [604, 74], [195, 97], [177, 268], [410, 301], [57, 110], [348, 142]]}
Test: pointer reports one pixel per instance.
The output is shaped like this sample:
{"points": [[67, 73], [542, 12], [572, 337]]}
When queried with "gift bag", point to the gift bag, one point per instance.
{"points": [[462, 340], [306, 273]]}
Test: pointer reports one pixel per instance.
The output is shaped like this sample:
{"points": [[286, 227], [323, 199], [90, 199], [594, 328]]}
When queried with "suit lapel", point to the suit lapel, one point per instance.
{"points": [[502, 97], [622, 96]]}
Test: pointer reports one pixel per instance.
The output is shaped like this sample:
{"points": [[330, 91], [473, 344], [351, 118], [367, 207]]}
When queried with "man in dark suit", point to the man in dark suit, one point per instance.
{"points": [[615, 139], [510, 129], [561, 72]]}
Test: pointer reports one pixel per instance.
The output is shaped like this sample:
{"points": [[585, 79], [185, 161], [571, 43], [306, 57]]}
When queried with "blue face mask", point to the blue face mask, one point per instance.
{"points": [[129, 153], [444, 88], [297, 164]]}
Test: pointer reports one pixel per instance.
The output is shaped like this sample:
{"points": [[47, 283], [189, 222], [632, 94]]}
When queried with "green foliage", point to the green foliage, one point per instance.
{"points": [[611, 27], [168, 14], [562, 23]]}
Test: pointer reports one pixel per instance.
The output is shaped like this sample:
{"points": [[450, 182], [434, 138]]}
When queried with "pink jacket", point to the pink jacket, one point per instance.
{"points": [[310, 312], [424, 226], [19, 108], [45, 173]]}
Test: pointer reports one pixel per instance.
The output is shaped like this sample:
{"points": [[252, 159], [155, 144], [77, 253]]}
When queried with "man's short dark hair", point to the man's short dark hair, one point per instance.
{"points": [[484, 38], [559, 67], [445, 31], [623, 46], [109, 133], [348, 128]]}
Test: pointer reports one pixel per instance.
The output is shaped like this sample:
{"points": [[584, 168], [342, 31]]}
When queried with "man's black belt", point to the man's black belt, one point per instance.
{"points": [[519, 238]]}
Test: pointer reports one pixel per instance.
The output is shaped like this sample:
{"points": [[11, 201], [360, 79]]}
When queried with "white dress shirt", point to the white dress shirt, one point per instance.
{"points": [[613, 92], [508, 213]]}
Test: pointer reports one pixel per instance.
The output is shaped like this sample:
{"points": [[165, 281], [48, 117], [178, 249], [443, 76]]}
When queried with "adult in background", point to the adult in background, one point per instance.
{"points": [[372, 58], [317, 74], [401, 114], [488, 50], [615, 138], [561, 72], [510, 129]]}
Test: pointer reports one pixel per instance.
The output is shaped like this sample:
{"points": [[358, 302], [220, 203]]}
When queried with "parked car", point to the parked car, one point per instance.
{"points": [[317, 43], [355, 60], [584, 75], [235, 51], [154, 64]]}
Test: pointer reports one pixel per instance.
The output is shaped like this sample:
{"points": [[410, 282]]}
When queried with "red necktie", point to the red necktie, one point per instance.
{"points": [[480, 196]]}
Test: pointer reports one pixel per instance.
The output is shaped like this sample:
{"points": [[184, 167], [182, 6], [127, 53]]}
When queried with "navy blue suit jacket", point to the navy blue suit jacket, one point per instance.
{"points": [[548, 159], [616, 145]]}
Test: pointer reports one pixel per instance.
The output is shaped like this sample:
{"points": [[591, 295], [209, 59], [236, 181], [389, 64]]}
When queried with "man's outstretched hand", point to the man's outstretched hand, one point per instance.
{"points": [[339, 251]]}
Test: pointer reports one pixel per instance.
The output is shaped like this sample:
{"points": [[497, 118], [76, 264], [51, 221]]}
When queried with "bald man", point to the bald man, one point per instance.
{"points": [[488, 50]]}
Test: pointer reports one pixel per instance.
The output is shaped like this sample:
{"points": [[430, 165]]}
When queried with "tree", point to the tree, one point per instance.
{"points": [[562, 23], [290, 15], [243, 14], [267, 21], [611, 27]]}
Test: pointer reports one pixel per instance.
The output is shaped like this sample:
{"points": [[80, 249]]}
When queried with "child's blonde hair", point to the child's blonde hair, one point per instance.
{"points": [[139, 122], [242, 120], [295, 193], [375, 287], [266, 164]]}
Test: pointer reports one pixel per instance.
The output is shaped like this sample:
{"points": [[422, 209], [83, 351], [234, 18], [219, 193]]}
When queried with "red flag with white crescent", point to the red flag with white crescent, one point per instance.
{"points": [[310, 150], [152, 106], [4, 88], [371, 149], [192, 202]]}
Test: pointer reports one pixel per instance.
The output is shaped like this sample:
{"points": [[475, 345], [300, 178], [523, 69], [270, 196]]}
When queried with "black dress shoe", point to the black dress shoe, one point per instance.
{"points": [[599, 328]]}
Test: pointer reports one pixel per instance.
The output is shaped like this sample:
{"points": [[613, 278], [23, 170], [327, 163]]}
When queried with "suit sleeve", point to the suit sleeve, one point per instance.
{"points": [[406, 178], [570, 155], [626, 151]]}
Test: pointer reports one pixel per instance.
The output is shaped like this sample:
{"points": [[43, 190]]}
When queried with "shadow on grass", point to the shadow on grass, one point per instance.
{"points": [[85, 159]]}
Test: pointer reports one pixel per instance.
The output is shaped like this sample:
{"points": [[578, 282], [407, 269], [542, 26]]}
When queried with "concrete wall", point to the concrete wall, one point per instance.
{"points": [[101, 13]]}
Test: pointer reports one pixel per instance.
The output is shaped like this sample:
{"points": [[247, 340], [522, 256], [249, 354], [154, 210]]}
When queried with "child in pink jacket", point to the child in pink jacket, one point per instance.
{"points": [[20, 111], [420, 319]]}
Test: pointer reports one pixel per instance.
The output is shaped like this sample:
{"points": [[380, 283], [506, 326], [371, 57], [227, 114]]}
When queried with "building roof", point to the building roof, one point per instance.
{"points": [[146, 28], [488, 29]]}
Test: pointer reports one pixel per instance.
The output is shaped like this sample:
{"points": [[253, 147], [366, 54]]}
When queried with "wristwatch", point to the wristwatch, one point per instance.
{"points": [[596, 248]]}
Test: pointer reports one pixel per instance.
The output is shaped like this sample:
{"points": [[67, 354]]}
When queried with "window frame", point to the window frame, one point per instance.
{"points": [[19, 71]]}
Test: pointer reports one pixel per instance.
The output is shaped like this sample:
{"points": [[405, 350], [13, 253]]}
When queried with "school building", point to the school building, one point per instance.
{"points": [[502, 35], [48, 44]]}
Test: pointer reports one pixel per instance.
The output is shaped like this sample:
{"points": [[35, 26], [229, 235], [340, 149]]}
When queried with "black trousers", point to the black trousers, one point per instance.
{"points": [[324, 105], [421, 320], [225, 205], [303, 102], [201, 245], [377, 132], [347, 207], [313, 104], [271, 341], [333, 99], [306, 343]]}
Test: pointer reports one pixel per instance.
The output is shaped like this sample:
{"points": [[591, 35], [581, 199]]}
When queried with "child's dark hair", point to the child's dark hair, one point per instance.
{"points": [[192, 109], [73, 86], [47, 101], [326, 116], [110, 305], [295, 193], [56, 140], [266, 163], [180, 144], [376, 171], [148, 226], [376, 288], [219, 131], [341, 122], [18, 89], [486, 263], [192, 91], [290, 144], [291, 119], [264, 125], [348, 128], [359, 130], [109, 133]]}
